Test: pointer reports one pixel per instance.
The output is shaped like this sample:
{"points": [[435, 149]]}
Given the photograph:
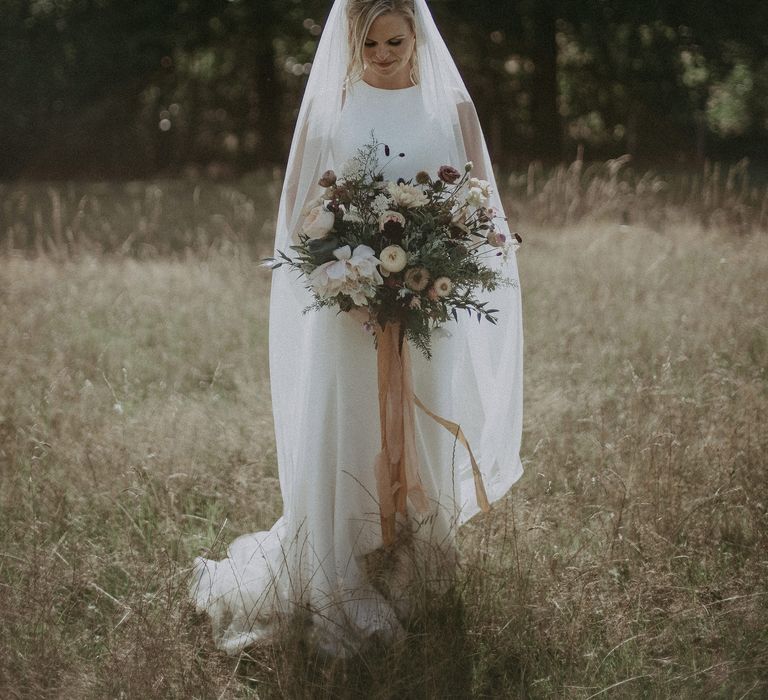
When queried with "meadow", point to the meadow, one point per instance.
{"points": [[630, 561]]}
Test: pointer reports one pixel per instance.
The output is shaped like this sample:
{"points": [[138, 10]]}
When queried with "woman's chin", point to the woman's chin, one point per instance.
{"points": [[384, 71], [390, 76]]}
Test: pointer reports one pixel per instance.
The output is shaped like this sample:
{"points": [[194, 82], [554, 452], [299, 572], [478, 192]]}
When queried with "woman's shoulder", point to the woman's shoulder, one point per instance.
{"points": [[459, 95]]}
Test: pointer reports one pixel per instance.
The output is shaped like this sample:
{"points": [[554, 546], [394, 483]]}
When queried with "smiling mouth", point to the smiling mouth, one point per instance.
{"points": [[385, 65]]}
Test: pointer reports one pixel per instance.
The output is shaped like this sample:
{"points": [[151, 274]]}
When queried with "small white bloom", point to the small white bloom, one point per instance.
{"points": [[407, 196], [381, 203], [469, 166], [442, 286], [393, 258], [483, 185], [352, 170], [475, 197], [318, 222]]}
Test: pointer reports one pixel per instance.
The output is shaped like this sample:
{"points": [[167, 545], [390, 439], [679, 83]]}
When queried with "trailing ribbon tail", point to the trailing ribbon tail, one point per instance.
{"points": [[458, 433]]}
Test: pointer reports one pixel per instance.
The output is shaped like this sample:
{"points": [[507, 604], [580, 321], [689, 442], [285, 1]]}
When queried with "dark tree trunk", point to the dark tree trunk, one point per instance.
{"points": [[546, 116], [268, 89]]}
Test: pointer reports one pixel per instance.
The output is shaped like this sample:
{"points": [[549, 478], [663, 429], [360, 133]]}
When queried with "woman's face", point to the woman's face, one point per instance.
{"points": [[388, 50]]}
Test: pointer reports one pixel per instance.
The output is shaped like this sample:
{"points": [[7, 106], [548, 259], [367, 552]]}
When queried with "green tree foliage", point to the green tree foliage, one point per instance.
{"points": [[104, 87]]}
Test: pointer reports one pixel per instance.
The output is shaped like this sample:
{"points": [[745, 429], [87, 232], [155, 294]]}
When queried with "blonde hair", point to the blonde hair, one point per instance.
{"points": [[361, 14]]}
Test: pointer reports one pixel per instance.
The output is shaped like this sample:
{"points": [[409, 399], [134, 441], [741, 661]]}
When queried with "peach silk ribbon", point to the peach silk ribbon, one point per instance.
{"points": [[397, 467]]}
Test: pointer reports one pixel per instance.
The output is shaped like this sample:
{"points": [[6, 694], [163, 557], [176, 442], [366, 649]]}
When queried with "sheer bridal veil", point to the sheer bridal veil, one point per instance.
{"points": [[487, 372]]}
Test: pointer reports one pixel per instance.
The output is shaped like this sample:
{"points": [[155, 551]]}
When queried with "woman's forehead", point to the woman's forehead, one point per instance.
{"points": [[388, 26]]}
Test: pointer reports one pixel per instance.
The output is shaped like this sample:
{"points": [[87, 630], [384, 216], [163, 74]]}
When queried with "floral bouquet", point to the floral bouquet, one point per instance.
{"points": [[410, 252]]}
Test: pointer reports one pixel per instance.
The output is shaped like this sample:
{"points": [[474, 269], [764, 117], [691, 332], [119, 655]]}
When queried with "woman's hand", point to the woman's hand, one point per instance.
{"points": [[360, 313]]}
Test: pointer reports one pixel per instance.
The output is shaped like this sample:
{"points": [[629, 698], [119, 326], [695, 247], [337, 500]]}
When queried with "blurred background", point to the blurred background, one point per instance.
{"points": [[100, 88]]}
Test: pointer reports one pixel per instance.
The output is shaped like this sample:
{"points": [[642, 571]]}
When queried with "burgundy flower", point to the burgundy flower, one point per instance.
{"points": [[393, 231], [392, 225], [448, 174], [343, 195]]}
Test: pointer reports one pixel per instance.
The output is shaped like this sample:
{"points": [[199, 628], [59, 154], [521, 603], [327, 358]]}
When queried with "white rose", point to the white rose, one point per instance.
{"points": [[475, 197], [393, 258], [318, 223]]}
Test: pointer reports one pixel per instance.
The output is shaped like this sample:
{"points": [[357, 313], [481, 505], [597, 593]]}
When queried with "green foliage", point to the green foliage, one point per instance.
{"points": [[93, 87]]}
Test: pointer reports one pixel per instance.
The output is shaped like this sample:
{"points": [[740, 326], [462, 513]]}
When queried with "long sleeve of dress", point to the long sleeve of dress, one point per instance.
{"points": [[474, 143]]}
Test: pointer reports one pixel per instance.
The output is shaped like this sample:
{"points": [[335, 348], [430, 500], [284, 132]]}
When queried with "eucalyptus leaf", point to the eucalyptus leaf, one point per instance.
{"points": [[321, 249]]}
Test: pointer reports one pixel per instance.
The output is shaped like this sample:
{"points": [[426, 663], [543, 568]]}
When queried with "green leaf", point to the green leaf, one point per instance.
{"points": [[321, 249]]}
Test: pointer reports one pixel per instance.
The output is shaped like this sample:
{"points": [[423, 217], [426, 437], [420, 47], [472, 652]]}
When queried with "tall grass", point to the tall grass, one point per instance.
{"points": [[135, 430], [716, 198], [169, 218]]}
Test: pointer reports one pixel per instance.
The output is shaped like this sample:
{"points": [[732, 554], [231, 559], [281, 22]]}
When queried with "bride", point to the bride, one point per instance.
{"points": [[381, 67]]}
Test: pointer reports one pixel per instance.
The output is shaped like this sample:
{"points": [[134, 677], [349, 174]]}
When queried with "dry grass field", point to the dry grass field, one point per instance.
{"points": [[630, 561]]}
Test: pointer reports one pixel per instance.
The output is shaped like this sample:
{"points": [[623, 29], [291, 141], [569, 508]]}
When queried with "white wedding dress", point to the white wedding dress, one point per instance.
{"points": [[317, 557]]}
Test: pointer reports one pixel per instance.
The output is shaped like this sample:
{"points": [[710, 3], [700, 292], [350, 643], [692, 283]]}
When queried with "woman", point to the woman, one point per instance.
{"points": [[381, 67]]}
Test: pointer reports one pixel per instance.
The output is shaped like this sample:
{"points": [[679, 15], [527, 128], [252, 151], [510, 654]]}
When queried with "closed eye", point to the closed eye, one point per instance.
{"points": [[391, 42]]}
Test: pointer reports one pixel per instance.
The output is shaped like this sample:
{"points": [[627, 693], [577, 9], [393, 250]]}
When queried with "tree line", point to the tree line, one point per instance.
{"points": [[100, 88]]}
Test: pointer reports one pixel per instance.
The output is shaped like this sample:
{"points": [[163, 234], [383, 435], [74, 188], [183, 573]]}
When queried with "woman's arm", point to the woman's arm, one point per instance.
{"points": [[294, 203]]}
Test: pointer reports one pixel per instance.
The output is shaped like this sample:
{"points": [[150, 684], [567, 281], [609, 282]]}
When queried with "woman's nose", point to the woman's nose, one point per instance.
{"points": [[382, 52]]}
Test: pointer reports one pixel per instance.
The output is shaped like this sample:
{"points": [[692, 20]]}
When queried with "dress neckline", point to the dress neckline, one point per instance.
{"points": [[368, 86]]}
